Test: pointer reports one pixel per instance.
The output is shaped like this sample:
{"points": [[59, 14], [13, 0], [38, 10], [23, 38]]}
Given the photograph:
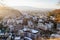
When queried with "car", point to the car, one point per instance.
{"points": [[17, 38]]}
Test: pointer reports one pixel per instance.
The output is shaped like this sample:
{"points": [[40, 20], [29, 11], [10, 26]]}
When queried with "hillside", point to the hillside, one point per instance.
{"points": [[7, 11]]}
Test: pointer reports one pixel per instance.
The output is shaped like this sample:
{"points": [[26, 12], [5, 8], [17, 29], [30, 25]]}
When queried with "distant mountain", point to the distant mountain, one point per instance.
{"points": [[32, 10], [27, 8]]}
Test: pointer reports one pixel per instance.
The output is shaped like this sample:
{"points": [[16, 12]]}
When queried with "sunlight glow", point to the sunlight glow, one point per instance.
{"points": [[36, 3]]}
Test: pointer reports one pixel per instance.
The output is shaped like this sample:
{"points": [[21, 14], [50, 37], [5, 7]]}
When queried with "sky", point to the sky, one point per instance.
{"points": [[32, 3]]}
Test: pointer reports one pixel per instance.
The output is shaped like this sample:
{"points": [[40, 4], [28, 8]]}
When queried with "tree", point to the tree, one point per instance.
{"points": [[56, 14]]}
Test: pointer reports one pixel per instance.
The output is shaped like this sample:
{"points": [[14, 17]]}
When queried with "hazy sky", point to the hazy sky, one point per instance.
{"points": [[33, 3]]}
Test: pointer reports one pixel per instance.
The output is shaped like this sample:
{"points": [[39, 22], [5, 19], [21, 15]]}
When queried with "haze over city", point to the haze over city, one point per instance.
{"points": [[32, 3]]}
